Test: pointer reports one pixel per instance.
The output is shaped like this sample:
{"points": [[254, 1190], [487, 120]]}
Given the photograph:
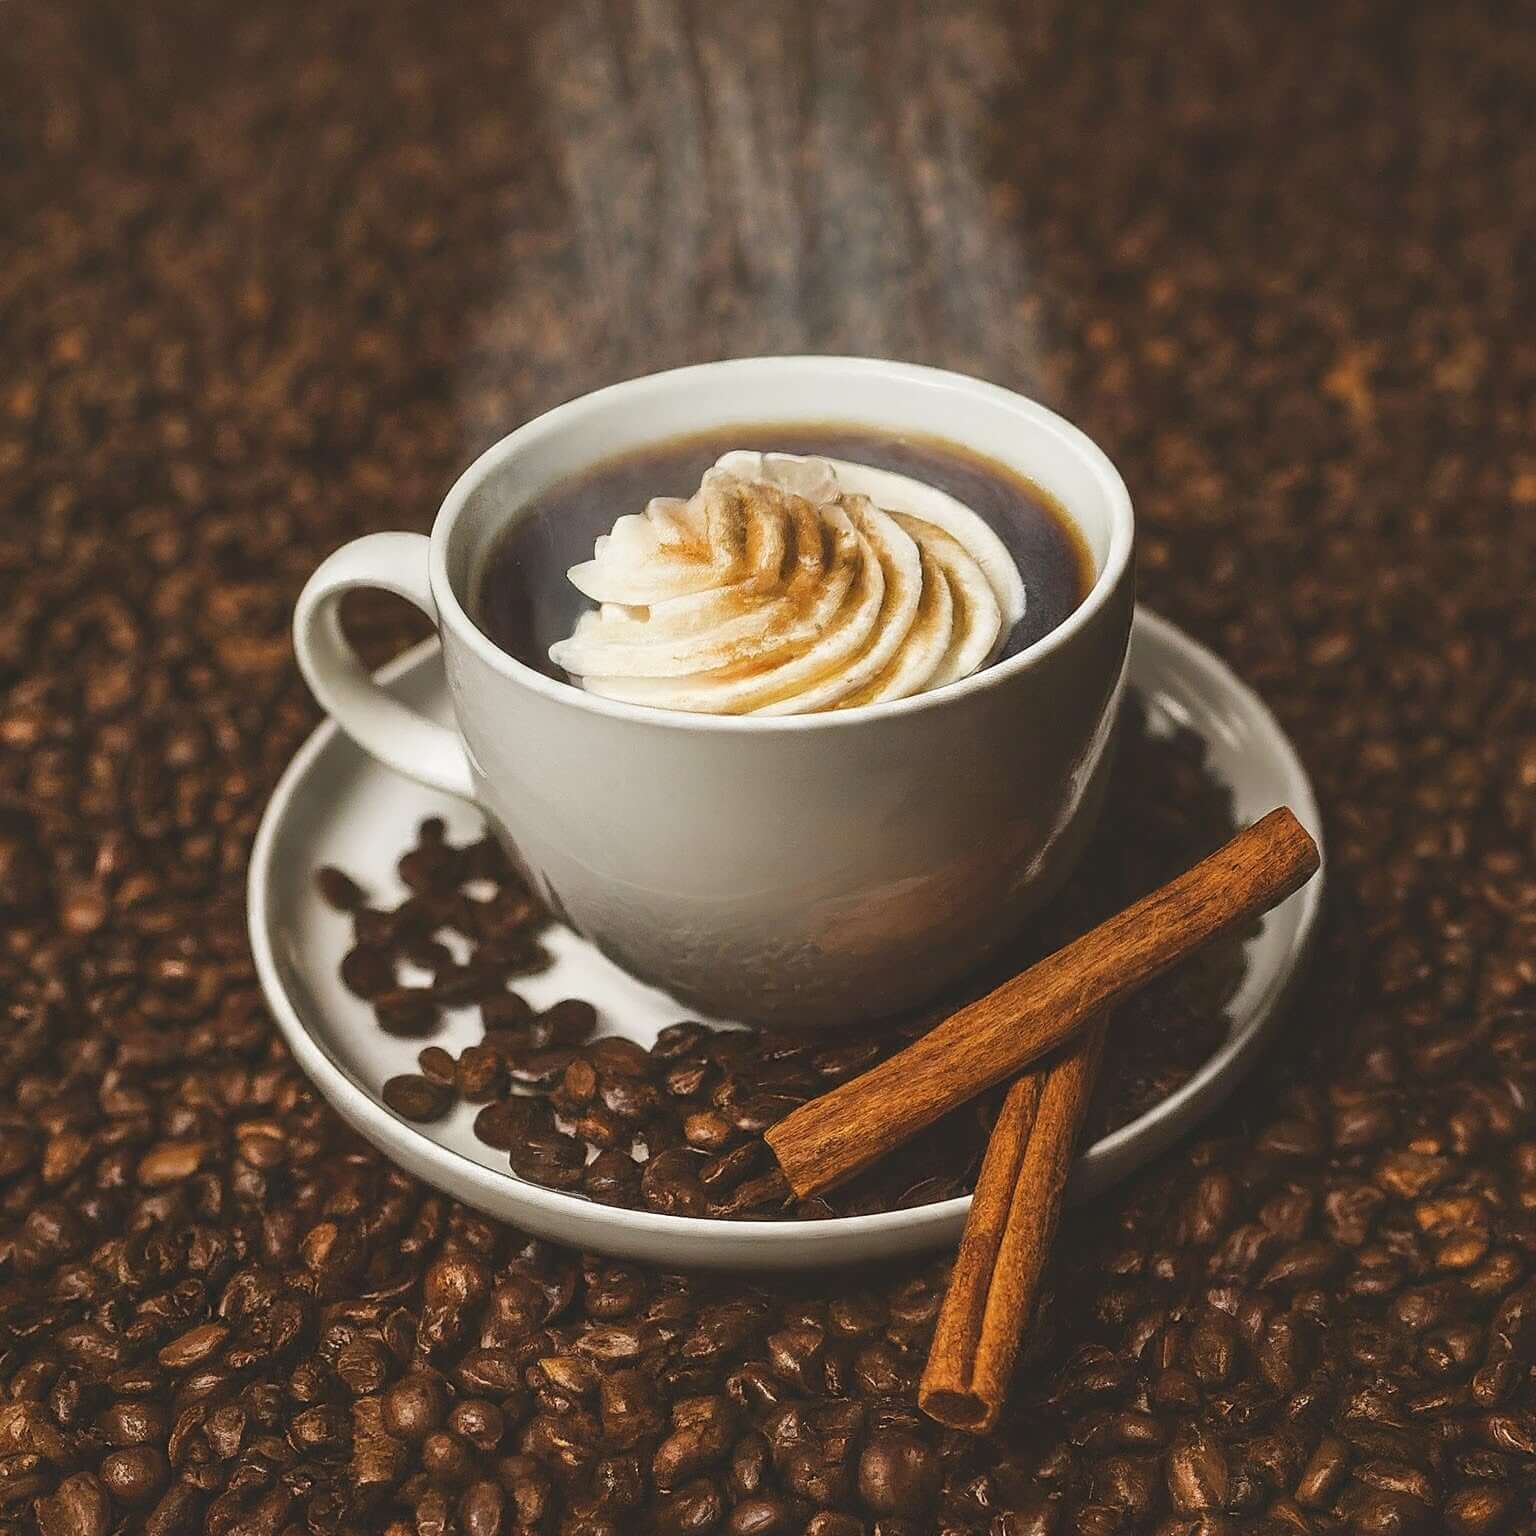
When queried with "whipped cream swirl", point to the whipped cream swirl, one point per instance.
{"points": [[789, 585]]}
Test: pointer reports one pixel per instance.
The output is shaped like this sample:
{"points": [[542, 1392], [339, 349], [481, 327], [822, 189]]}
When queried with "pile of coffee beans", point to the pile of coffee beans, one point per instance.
{"points": [[677, 1128], [279, 271], [220, 1313]]}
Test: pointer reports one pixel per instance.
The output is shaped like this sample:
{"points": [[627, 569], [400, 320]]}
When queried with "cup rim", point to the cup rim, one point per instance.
{"points": [[452, 615]]}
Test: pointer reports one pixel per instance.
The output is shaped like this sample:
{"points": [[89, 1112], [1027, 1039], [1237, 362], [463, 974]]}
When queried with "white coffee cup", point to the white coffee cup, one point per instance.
{"points": [[810, 869]]}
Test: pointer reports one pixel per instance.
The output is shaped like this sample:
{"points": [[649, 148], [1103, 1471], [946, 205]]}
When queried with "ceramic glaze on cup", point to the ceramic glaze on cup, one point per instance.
{"points": [[804, 869]]}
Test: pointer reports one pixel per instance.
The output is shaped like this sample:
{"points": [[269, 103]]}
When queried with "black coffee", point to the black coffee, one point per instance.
{"points": [[525, 604]]}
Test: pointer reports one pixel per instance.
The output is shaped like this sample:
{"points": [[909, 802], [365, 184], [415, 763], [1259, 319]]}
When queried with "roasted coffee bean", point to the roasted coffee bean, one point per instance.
{"points": [[564, 1380], [137, 1421], [612, 1177], [599, 1128], [694, 1508], [493, 1371], [767, 1190], [565, 1441], [1477, 1511], [362, 1366], [687, 1078], [727, 1170], [898, 1474], [480, 1075], [631, 1412], [566, 1023], [437, 1064], [794, 1354], [749, 1465], [428, 954], [520, 1305], [482, 1509], [408, 1012], [540, 1070], [615, 1057], [577, 1087], [679, 1040], [445, 1457], [669, 1183], [826, 1522], [505, 1011], [502, 1124], [811, 1474], [708, 1130], [414, 1097], [426, 867], [478, 1422], [702, 1434], [415, 1405], [455, 985], [338, 890], [79, 1507], [760, 1517], [134, 1476], [378, 929], [631, 1098], [193, 1347], [368, 971], [549, 1157], [1198, 1473], [1324, 1472]]}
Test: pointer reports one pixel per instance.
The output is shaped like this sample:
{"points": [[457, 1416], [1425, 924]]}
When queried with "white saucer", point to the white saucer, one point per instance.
{"points": [[335, 805]]}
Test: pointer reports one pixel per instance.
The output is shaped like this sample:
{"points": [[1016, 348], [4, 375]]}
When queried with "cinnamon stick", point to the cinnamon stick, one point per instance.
{"points": [[833, 1137], [1008, 1238]]}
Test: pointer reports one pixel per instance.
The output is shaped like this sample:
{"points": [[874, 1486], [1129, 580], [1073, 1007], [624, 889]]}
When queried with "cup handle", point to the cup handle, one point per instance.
{"points": [[377, 721]]}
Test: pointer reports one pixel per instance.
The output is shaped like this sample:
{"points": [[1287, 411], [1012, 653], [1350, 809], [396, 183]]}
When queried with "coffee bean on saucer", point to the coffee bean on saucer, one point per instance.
{"points": [[367, 971], [407, 1012], [727, 1169], [540, 1069], [616, 1056], [600, 1127], [504, 1010], [669, 1183], [338, 889], [628, 1097], [375, 927], [766, 1193], [418, 1098], [427, 869], [678, 1040], [437, 1064], [708, 1130], [612, 1177], [455, 985], [501, 1123], [428, 953], [549, 1157], [480, 1074], [569, 1022]]}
